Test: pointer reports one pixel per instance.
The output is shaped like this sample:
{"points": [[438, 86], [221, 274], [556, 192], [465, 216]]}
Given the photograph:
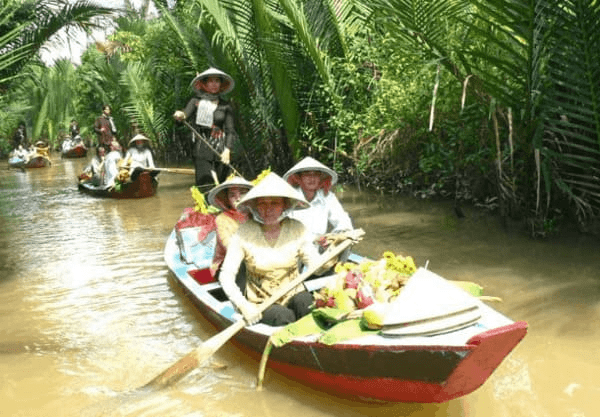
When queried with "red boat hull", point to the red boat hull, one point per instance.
{"points": [[78, 151], [393, 373], [144, 186]]}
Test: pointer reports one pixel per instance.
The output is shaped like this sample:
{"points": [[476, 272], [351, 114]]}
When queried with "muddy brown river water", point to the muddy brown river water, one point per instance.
{"points": [[88, 311]]}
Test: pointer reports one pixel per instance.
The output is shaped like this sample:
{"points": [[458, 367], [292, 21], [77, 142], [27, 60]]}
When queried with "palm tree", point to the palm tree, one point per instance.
{"points": [[27, 25], [533, 64]]}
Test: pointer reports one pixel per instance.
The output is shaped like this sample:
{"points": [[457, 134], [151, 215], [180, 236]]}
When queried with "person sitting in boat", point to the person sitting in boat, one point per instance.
{"points": [[94, 172], [111, 164], [74, 139], [271, 246], [325, 214], [139, 156], [20, 154], [226, 197], [41, 149]]}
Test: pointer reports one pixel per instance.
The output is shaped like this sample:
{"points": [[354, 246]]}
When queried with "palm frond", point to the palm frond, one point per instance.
{"points": [[140, 105], [571, 103]]}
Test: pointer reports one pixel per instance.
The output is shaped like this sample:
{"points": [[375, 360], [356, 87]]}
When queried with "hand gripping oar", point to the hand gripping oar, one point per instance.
{"points": [[198, 135], [197, 356]]}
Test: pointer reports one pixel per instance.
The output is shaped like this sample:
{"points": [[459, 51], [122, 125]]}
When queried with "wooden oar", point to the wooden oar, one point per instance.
{"points": [[197, 356], [185, 171], [199, 136]]}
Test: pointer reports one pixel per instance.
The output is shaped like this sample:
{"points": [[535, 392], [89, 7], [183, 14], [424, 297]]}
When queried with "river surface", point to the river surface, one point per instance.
{"points": [[88, 312]]}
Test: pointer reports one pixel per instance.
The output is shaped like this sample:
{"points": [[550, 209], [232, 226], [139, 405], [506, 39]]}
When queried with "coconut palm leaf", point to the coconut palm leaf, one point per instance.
{"points": [[571, 103], [140, 105], [38, 21]]}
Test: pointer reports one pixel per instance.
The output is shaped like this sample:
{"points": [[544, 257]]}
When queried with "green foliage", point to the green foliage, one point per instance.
{"points": [[25, 26], [484, 100]]}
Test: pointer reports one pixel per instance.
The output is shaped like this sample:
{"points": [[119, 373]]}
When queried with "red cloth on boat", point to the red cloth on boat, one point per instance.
{"points": [[227, 224], [193, 218]]}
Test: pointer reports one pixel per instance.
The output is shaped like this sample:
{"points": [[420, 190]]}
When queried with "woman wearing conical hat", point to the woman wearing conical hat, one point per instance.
{"points": [[226, 197], [212, 117], [139, 156], [325, 214], [271, 246]]}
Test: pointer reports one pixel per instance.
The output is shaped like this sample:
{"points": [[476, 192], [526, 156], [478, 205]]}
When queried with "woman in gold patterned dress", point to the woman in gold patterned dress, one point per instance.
{"points": [[271, 246]]}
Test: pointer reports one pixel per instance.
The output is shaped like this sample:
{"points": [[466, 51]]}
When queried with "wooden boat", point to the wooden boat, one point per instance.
{"points": [[400, 367], [35, 161], [145, 185], [73, 149]]}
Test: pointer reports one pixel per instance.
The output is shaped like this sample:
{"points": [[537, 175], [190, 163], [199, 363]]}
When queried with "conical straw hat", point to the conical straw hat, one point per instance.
{"points": [[217, 196], [274, 186], [139, 136], [311, 164], [227, 82]]}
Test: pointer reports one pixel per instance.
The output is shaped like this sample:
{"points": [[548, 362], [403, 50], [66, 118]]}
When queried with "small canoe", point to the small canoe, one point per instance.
{"points": [[73, 150], [37, 161], [145, 185], [398, 366]]}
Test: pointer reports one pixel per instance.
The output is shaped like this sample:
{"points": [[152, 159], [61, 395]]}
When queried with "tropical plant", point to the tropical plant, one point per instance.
{"points": [[27, 25], [517, 58], [277, 51], [51, 95]]}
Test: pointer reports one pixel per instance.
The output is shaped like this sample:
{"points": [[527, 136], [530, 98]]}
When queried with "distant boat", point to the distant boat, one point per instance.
{"points": [[447, 352], [39, 158], [73, 148]]}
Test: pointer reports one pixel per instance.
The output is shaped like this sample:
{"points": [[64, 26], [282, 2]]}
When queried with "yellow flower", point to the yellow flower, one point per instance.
{"points": [[260, 176], [199, 200]]}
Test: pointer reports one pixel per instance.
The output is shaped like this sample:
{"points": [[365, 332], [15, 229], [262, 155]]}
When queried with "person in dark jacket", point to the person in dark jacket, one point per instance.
{"points": [[105, 129], [212, 118]]}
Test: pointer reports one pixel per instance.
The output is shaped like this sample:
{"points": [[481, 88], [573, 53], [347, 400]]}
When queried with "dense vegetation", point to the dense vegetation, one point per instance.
{"points": [[494, 102]]}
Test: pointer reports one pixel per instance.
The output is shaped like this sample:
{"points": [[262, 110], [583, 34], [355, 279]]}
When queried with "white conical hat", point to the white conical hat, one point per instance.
{"points": [[274, 186], [139, 136], [311, 164], [227, 83], [216, 199]]}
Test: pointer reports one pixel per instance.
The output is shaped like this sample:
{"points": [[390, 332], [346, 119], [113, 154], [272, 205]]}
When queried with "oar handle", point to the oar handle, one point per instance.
{"points": [[198, 135], [318, 263]]}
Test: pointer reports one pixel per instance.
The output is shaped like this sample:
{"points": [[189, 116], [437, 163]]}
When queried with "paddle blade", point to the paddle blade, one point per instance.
{"points": [[195, 358], [177, 371]]}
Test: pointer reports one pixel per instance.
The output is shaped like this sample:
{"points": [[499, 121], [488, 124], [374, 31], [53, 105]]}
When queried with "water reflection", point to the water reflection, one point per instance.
{"points": [[88, 313]]}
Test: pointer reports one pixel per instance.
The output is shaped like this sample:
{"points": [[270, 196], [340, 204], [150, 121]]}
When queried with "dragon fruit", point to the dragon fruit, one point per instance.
{"points": [[364, 297], [352, 279], [325, 302]]}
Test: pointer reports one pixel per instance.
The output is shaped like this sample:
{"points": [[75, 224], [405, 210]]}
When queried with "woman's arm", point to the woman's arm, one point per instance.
{"points": [[229, 270], [190, 108]]}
